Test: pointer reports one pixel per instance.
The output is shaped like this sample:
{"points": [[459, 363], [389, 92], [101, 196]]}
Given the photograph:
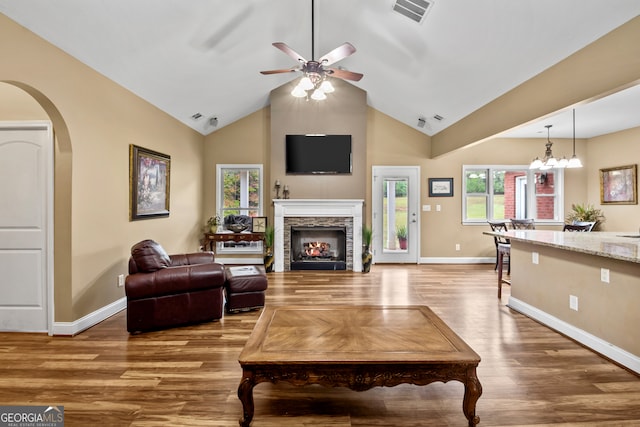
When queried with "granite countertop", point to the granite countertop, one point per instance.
{"points": [[608, 244]]}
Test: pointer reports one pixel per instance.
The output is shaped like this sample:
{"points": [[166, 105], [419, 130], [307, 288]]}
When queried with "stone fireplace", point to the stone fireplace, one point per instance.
{"points": [[311, 214]]}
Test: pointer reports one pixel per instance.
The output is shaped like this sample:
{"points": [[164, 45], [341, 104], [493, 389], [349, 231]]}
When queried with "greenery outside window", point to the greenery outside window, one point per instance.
{"points": [[494, 192], [239, 192]]}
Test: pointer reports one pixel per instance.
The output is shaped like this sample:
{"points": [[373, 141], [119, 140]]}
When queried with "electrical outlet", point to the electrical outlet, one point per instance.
{"points": [[426, 208], [604, 275], [120, 280], [438, 208], [535, 258], [573, 302], [457, 246]]}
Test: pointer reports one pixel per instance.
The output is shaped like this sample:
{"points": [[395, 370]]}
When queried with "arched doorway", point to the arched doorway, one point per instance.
{"points": [[58, 256]]}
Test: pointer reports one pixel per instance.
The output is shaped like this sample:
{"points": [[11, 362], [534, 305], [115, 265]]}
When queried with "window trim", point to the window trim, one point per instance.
{"points": [[220, 167], [531, 195]]}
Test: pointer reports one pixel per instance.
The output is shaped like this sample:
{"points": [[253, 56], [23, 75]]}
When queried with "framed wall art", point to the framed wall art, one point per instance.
{"points": [[440, 187], [259, 224], [619, 185], [149, 179]]}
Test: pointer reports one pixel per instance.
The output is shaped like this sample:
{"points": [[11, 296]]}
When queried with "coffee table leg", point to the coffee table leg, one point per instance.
{"points": [[472, 392], [245, 393]]}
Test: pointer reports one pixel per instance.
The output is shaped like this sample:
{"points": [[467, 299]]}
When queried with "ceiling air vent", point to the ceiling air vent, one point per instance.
{"points": [[415, 10]]}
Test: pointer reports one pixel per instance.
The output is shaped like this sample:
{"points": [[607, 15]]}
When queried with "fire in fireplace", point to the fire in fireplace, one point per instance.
{"points": [[318, 248]]}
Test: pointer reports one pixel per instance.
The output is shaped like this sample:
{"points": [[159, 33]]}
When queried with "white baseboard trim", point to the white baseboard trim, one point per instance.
{"points": [[596, 344], [91, 319], [457, 260]]}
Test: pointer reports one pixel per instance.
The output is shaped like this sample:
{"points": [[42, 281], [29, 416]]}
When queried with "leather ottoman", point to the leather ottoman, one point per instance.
{"points": [[245, 288]]}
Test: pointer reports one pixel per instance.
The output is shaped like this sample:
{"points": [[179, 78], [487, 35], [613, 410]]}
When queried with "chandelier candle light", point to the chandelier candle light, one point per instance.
{"points": [[549, 161]]}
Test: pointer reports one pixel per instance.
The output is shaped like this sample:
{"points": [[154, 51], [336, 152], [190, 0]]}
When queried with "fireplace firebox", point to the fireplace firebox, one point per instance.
{"points": [[318, 248]]}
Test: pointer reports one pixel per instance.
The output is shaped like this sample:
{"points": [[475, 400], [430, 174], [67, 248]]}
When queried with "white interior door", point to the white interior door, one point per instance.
{"points": [[396, 198], [26, 190]]}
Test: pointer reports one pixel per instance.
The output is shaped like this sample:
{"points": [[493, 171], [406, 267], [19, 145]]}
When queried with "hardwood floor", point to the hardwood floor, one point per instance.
{"points": [[189, 376]]}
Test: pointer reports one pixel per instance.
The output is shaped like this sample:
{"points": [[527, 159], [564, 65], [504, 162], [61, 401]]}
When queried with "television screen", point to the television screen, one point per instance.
{"points": [[318, 154]]}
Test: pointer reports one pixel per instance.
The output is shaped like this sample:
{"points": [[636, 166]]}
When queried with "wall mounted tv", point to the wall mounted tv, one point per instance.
{"points": [[318, 154]]}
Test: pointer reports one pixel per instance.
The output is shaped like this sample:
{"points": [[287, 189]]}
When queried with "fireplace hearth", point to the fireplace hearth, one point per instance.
{"points": [[318, 248]]}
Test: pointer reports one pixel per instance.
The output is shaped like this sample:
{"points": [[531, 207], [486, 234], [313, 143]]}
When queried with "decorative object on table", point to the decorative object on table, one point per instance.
{"points": [[258, 224], [237, 223], [367, 256], [269, 234], [285, 193], [619, 185], [213, 223], [401, 234], [581, 213], [277, 187], [149, 173], [237, 228], [440, 187]]}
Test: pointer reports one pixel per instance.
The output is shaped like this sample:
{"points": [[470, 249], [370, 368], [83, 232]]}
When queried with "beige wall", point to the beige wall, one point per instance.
{"points": [[95, 120], [344, 112], [613, 150]]}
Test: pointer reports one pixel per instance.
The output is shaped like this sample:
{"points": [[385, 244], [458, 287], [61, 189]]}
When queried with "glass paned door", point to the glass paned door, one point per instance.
{"points": [[395, 214]]}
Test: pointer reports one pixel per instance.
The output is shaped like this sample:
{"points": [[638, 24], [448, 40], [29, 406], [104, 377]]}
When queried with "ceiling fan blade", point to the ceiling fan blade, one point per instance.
{"points": [[344, 74], [283, 70], [292, 53], [337, 54]]}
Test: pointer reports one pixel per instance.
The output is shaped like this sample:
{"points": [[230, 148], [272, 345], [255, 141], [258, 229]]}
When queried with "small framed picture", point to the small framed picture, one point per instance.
{"points": [[619, 185], [259, 224], [440, 187]]}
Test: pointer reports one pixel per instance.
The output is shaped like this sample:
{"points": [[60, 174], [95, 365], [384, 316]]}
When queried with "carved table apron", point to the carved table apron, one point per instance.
{"points": [[358, 347]]}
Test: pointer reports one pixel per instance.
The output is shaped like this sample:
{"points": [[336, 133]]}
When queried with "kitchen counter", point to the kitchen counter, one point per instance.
{"points": [[584, 285], [623, 246]]}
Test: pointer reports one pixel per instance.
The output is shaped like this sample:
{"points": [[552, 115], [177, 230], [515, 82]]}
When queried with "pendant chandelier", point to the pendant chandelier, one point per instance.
{"points": [[549, 161]]}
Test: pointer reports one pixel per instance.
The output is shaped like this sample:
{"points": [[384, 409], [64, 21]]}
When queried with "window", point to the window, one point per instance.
{"points": [[504, 192], [239, 192]]}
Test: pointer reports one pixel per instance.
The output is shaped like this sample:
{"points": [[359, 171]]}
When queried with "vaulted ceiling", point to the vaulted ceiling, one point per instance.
{"points": [[203, 57]]}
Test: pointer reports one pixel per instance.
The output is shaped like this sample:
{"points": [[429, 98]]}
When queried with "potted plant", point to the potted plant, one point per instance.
{"points": [[269, 234], [585, 213], [401, 234], [213, 223], [367, 256]]}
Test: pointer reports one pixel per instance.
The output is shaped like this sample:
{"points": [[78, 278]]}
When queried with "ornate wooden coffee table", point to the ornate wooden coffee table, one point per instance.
{"points": [[358, 347]]}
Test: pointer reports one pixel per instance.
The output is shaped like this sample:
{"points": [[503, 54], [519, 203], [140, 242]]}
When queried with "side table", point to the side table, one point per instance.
{"points": [[211, 238]]}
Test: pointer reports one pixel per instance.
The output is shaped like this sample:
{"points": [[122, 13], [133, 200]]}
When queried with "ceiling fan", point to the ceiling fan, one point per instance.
{"points": [[316, 71]]}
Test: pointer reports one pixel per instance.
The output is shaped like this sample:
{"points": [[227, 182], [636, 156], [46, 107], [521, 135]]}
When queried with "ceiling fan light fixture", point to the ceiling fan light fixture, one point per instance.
{"points": [[305, 83], [318, 95], [298, 92], [327, 87]]}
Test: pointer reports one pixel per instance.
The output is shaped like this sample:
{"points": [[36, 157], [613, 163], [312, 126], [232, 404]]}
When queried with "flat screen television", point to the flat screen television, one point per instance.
{"points": [[318, 154]]}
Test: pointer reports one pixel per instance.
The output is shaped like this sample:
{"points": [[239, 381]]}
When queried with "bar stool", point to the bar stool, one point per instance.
{"points": [[499, 226], [574, 227], [523, 224], [503, 249]]}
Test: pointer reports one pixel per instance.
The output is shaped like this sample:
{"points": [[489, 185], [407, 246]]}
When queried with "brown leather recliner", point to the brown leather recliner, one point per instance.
{"points": [[171, 290]]}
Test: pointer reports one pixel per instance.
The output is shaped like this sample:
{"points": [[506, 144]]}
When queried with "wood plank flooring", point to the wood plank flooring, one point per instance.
{"points": [[189, 376]]}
